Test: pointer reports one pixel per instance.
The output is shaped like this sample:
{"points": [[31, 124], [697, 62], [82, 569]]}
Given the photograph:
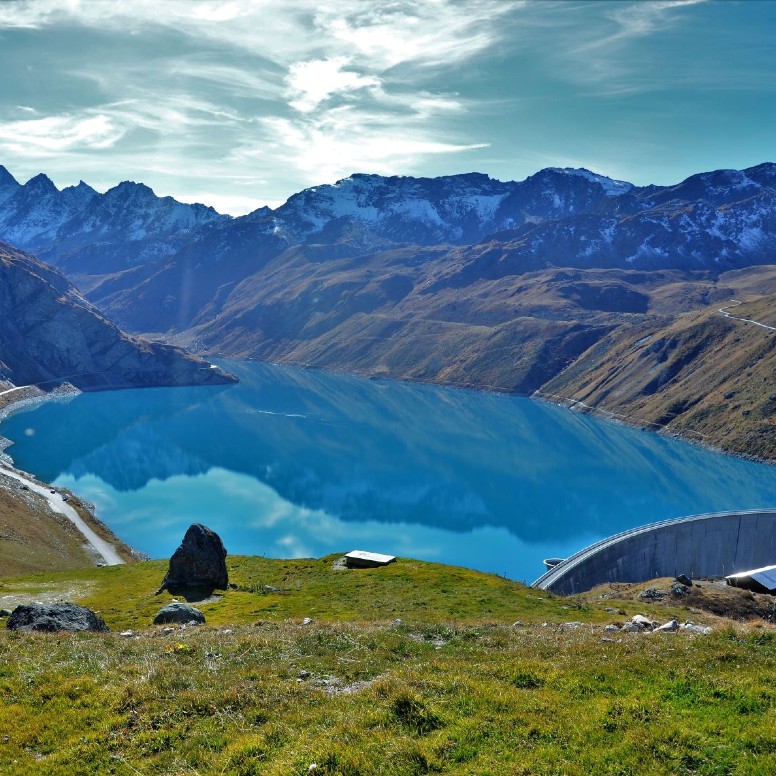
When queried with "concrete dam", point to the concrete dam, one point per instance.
{"points": [[712, 545]]}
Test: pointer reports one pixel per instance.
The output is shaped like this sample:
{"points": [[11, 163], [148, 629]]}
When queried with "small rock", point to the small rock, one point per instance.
{"points": [[179, 613], [651, 594], [571, 625], [683, 579], [517, 624], [606, 638], [704, 630], [304, 674], [631, 627], [270, 589], [678, 590], [640, 621], [233, 586], [168, 630], [668, 627], [396, 623], [127, 634], [307, 621], [612, 610], [5, 612], [611, 627]]}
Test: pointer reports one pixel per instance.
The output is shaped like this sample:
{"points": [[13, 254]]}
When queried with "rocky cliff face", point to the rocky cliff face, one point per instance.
{"points": [[50, 333]]}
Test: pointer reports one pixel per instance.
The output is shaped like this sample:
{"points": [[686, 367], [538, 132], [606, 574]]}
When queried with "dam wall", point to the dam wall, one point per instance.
{"points": [[712, 545]]}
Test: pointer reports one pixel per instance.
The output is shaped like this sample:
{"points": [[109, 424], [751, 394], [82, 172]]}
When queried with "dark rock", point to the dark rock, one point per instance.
{"points": [[179, 613], [198, 564], [5, 612], [684, 580], [678, 590], [651, 594], [55, 617]]}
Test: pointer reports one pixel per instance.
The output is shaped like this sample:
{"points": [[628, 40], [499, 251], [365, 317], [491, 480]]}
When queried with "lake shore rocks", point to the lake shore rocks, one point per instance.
{"points": [[55, 617]]}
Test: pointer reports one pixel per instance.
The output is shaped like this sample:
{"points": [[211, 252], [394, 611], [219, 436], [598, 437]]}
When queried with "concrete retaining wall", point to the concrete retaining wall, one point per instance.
{"points": [[699, 546]]}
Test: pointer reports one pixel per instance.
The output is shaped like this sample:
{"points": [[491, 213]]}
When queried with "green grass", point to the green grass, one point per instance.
{"points": [[452, 689]]}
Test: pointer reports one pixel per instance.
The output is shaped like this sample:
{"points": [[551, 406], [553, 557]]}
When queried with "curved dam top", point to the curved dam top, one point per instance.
{"points": [[712, 545]]}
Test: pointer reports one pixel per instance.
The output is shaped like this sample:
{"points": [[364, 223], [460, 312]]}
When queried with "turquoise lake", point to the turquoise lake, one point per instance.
{"points": [[297, 463]]}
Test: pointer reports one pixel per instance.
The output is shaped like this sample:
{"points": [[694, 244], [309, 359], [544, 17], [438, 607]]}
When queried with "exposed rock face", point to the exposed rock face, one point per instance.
{"points": [[50, 333], [55, 617], [179, 613], [78, 227], [199, 563]]}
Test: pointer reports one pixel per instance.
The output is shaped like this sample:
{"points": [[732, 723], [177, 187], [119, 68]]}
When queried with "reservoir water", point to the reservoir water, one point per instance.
{"points": [[296, 463]]}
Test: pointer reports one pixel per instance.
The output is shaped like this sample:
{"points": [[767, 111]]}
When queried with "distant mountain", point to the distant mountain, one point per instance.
{"points": [[462, 279], [557, 217], [84, 232], [49, 333]]}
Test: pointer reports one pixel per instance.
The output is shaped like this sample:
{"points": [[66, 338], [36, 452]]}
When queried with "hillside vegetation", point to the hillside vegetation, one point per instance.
{"points": [[414, 668]]}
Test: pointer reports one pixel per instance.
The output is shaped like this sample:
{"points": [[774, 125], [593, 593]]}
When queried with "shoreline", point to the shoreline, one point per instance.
{"points": [[691, 436], [108, 552]]}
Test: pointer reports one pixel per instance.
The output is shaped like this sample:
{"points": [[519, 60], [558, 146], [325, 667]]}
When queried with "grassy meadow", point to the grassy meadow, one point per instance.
{"points": [[457, 686]]}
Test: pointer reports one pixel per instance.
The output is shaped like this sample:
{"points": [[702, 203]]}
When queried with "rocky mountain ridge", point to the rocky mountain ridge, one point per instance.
{"points": [[51, 334], [538, 285], [721, 219]]}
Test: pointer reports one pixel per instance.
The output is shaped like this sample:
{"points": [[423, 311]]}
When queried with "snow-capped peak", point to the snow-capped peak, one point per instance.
{"points": [[611, 187]]}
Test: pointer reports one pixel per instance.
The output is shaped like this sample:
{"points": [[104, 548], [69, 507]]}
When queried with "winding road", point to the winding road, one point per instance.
{"points": [[723, 311], [103, 549]]}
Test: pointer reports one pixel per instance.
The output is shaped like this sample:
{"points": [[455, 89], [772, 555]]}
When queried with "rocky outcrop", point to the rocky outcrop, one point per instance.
{"points": [[50, 334], [55, 617], [198, 564]]}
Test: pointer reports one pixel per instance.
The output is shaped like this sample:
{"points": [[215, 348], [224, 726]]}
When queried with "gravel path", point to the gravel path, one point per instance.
{"points": [[103, 549]]}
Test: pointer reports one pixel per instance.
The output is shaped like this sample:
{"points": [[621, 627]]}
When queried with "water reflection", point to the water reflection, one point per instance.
{"points": [[386, 462]]}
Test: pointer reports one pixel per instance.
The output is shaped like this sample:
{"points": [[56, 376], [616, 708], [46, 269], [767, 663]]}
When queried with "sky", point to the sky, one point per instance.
{"points": [[239, 104]]}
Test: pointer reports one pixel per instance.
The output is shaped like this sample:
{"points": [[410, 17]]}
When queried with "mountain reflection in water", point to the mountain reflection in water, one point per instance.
{"points": [[292, 462]]}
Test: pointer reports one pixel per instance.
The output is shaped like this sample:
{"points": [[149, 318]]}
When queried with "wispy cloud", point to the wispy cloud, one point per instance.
{"points": [[311, 83], [342, 141], [329, 88], [637, 20], [603, 56], [58, 134]]}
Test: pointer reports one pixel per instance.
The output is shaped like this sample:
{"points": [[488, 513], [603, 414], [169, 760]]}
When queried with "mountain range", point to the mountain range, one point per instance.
{"points": [[514, 286]]}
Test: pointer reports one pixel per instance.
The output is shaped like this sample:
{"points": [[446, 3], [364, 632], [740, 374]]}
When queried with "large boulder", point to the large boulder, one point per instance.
{"points": [[55, 617], [198, 564], [179, 613]]}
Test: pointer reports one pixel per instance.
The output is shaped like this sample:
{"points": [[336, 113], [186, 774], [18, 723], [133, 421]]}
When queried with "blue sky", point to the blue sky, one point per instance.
{"points": [[240, 104]]}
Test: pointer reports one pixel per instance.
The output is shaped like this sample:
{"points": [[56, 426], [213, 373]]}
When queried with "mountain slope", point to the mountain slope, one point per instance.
{"points": [[50, 334], [543, 284]]}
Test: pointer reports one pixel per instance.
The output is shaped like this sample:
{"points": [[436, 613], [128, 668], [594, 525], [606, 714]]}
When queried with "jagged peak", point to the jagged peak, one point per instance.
{"points": [[81, 187], [41, 182], [130, 188], [7, 180]]}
